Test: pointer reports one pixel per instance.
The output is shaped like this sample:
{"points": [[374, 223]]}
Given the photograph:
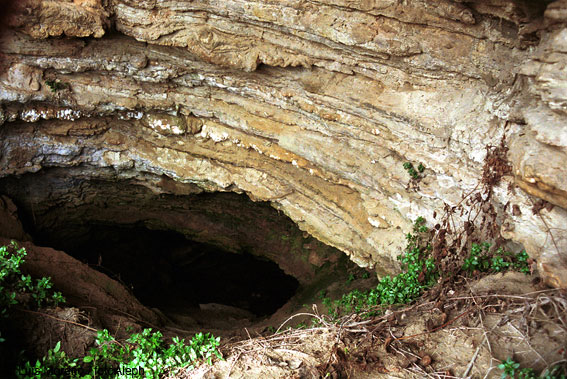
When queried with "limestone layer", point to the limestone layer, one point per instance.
{"points": [[313, 106]]}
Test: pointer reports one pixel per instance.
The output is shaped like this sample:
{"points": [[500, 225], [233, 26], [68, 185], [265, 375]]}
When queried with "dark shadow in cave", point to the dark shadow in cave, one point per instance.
{"points": [[167, 271], [145, 238]]}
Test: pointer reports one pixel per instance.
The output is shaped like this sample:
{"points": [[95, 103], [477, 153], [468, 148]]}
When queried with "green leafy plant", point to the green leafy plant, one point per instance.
{"points": [[477, 261], [148, 351], [408, 166], [512, 370], [56, 85], [55, 364], [521, 262], [555, 372], [482, 261], [143, 353], [509, 366], [420, 271], [14, 285], [145, 350], [107, 353], [419, 274]]}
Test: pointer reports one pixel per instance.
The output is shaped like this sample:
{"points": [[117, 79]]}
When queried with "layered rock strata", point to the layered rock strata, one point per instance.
{"points": [[313, 106]]}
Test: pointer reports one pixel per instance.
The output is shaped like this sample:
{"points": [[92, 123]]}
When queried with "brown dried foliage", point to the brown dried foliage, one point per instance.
{"points": [[451, 240]]}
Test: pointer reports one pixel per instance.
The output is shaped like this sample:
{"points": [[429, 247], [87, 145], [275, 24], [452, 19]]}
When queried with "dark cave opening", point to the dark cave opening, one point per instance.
{"points": [[167, 271], [173, 245]]}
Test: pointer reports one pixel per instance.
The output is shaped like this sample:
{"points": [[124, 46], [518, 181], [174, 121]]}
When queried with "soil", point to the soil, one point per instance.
{"points": [[467, 335], [464, 329]]}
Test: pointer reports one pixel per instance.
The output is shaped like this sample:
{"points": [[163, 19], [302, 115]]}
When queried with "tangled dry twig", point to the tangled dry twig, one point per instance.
{"points": [[357, 345]]}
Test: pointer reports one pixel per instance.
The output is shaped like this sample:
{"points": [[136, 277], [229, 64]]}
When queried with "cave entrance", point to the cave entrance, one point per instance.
{"points": [[177, 247], [167, 271]]}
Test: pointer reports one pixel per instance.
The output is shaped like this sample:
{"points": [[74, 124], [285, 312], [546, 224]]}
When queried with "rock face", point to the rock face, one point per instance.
{"points": [[312, 106]]}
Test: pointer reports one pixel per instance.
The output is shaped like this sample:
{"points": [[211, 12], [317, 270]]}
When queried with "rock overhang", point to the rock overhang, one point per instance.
{"points": [[323, 142]]}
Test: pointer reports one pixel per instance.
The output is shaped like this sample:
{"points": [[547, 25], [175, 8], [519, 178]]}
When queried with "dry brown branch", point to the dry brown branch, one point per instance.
{"points": [[546, 226], [57, 319], [437, 328], [358, 334], [471, 363]]}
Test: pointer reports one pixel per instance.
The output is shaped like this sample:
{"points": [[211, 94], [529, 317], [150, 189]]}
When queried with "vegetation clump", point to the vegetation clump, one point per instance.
{"points": [[420, 272], [19, 289], [480, 260], [408, 166], [56, 85], [144, 354], [512, 370]]}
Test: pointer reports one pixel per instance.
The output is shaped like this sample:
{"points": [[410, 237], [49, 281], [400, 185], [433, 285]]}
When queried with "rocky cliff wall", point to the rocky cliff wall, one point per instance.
{"points": [[313, 106]]}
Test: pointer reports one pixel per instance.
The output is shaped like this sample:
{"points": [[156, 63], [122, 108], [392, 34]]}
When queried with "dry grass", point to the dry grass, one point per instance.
{"points": [[354, 347]]}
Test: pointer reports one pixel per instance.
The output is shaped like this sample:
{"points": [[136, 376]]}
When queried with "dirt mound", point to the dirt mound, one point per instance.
{"points": [[82, 285], [463, 332], [94, 301], [468, 334]]}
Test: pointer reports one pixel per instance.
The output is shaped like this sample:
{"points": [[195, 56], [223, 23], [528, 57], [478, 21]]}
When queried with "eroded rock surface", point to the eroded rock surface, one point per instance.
{"points": [[312, 106]]}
